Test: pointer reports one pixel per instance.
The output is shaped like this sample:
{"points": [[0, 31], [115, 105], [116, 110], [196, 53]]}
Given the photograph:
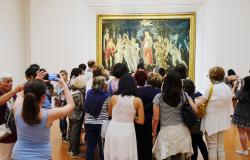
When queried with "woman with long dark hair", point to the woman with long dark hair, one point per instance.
{"points": [[242, 114], [174, 138], [196, 133], [117, 71], [125, 109], [33, 122]]}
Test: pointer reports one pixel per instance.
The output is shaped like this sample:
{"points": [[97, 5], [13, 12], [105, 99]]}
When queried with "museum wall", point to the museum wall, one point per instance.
{"points": [[233, 50], [60, 34], [12, 38]]}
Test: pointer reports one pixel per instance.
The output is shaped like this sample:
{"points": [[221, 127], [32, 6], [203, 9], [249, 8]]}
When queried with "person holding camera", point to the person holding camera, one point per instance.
{"points": [[230, 80], [59, 102], [7, 97], [33, 122], [242, 114]]}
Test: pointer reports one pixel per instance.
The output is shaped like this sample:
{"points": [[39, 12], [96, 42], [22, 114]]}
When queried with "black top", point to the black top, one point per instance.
{"points": [[147, 95], [243, 107], [196, 128], [4, 112]]}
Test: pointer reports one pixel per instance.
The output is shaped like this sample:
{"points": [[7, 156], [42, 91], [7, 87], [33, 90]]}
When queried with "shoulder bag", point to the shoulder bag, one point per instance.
{"points": [[188, 115], [202, 107], [4, 128]]}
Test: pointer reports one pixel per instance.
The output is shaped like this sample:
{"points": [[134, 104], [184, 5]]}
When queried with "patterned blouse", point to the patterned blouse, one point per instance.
{"points": [[169, 115]]}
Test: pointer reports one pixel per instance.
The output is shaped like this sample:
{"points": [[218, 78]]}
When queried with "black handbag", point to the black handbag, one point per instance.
{"points": [[189, 117]]}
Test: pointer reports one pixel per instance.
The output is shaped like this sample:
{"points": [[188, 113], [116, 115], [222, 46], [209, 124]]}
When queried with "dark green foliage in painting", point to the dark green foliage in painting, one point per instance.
{"points": [[170, 31]]}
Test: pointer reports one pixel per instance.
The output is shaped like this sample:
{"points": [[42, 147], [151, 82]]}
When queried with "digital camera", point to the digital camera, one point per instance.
{"points": [[53, 77]]}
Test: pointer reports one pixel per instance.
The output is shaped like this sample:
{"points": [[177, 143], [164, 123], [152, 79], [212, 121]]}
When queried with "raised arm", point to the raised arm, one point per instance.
{"points": [[200, 100], [192, 104], [155, 120], [7, 96], [140, 111], [57, 113]]}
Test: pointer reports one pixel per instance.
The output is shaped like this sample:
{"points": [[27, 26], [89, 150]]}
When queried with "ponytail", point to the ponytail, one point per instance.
{"points": [[30, 109], [33, 92]]}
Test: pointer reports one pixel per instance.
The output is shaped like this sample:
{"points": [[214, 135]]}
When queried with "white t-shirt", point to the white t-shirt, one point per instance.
{"points": [[89, 85], [88, 75], [219, 108]]}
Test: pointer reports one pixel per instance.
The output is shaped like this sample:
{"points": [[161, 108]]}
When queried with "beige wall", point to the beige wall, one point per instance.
{"points": [[60, 34], [12, 38]]}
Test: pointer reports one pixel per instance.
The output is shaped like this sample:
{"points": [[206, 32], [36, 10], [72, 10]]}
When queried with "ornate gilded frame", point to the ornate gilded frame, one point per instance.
{"points": [[192, 32]]}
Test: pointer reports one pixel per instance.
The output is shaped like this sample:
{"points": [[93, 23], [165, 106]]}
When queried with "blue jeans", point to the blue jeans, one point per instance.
{"points": [[93, 136], [75, 127], [63, 126]]}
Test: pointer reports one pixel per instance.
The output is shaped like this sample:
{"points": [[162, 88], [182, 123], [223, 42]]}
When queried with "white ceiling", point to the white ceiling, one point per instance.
{"points": [[107, 3]]}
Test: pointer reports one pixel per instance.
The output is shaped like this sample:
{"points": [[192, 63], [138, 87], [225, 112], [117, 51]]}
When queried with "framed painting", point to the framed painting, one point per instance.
{"points": [[157, 40]]}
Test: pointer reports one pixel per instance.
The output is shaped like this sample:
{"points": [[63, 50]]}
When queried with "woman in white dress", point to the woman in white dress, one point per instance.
{"points": [[125, 109]]}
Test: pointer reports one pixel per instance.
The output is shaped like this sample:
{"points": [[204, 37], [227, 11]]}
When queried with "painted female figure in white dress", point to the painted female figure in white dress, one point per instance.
{"points": [[119, 50], [127, 52], [174, 52], [135, 53]]}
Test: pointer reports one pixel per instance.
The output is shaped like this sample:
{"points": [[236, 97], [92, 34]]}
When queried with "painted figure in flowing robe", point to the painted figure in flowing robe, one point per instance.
{"points": [[160, 49], [174, 53], [119, 50], [147, 49], [127, 52], [109, 53], [135, 53], [106, 39]]}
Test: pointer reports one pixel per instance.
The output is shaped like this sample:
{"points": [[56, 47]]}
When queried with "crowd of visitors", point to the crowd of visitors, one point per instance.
{"points": [[142, 112]]}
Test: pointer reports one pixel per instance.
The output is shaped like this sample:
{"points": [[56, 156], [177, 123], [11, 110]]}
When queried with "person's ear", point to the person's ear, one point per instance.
{"points": [[105, 87]]}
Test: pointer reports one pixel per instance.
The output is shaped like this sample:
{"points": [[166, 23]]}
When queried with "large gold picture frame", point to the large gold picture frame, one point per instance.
{"points": [[160, 40]]}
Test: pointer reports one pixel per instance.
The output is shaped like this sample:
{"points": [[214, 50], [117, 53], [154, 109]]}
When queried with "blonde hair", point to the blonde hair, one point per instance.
{"points": [[216, 73], [98, 70], [154, 79], [98, 82], [64, 72], [106, 74], [78, 82]]}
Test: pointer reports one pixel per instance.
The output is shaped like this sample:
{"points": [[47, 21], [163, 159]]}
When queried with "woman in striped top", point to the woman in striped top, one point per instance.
{"points": [[96, 113]]}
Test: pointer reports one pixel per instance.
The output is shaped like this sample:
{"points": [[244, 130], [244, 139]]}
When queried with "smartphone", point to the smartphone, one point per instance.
{"points": [[53, 77]]}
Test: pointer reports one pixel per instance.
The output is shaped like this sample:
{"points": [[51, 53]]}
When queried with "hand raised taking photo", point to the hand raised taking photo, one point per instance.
{"points": [[61, 81], [41, 74]]}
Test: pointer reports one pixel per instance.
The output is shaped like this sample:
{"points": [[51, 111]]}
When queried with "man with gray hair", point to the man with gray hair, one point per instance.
{"points": [[7, 96]]}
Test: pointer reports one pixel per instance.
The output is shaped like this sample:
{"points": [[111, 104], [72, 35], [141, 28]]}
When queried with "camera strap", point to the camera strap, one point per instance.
{"points": [[9, 117]]}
